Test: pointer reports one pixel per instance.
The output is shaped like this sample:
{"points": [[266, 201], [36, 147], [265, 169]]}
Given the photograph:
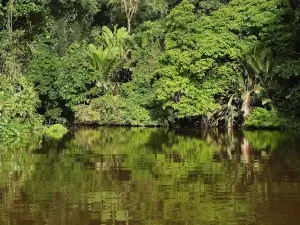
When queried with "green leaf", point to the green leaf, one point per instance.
{"points": [[265, 101], [257, 89]]}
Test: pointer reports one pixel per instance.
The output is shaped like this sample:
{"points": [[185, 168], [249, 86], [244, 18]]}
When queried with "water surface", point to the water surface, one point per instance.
{"points": [[152, 176]]}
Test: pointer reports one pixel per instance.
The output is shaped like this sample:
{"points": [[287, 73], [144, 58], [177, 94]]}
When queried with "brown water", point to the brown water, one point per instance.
{"points": [[152, 176]]}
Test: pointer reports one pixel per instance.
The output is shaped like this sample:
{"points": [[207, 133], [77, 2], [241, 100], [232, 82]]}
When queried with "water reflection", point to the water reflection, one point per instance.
{"points": [[152, 176]]}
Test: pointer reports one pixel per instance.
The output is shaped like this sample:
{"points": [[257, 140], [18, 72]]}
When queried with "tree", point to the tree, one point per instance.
{"points": [[108, 58], [130, 8], [139, 11], [258, 71], [193, 69]]}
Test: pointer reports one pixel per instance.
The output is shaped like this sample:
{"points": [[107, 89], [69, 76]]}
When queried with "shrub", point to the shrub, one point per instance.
{"points": [[114, 110], [56, 131], [262, 118], [18, 102], [62, 82]]}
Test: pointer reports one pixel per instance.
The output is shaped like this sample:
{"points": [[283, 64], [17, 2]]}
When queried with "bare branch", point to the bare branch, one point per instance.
{"points": [[130, 8]]}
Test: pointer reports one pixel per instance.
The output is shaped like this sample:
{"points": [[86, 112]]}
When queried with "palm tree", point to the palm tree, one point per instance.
{"points": [[257, 66], [112, 54]]}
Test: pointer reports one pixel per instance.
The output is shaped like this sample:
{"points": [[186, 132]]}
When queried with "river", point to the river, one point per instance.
{"points": [[152, 176]]}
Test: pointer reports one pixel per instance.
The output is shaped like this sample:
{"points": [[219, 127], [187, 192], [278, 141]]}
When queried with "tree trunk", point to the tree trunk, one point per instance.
{"points": [[129, 25], [246, 107]]}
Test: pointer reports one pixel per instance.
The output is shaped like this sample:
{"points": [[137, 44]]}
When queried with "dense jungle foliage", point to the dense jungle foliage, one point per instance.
{"points": [[149, 63]]}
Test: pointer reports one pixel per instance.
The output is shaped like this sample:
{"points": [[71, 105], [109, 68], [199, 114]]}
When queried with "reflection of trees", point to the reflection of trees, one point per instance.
{"points": [[17, 165], [158, 176]]}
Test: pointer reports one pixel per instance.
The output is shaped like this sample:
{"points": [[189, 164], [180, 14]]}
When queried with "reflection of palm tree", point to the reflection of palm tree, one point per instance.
{"points": [[231, 140], [248, 166], [246, 151]]}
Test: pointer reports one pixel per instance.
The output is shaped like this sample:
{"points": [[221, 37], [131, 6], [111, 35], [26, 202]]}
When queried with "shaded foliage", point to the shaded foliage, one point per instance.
{"points": [[18, 101]]}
